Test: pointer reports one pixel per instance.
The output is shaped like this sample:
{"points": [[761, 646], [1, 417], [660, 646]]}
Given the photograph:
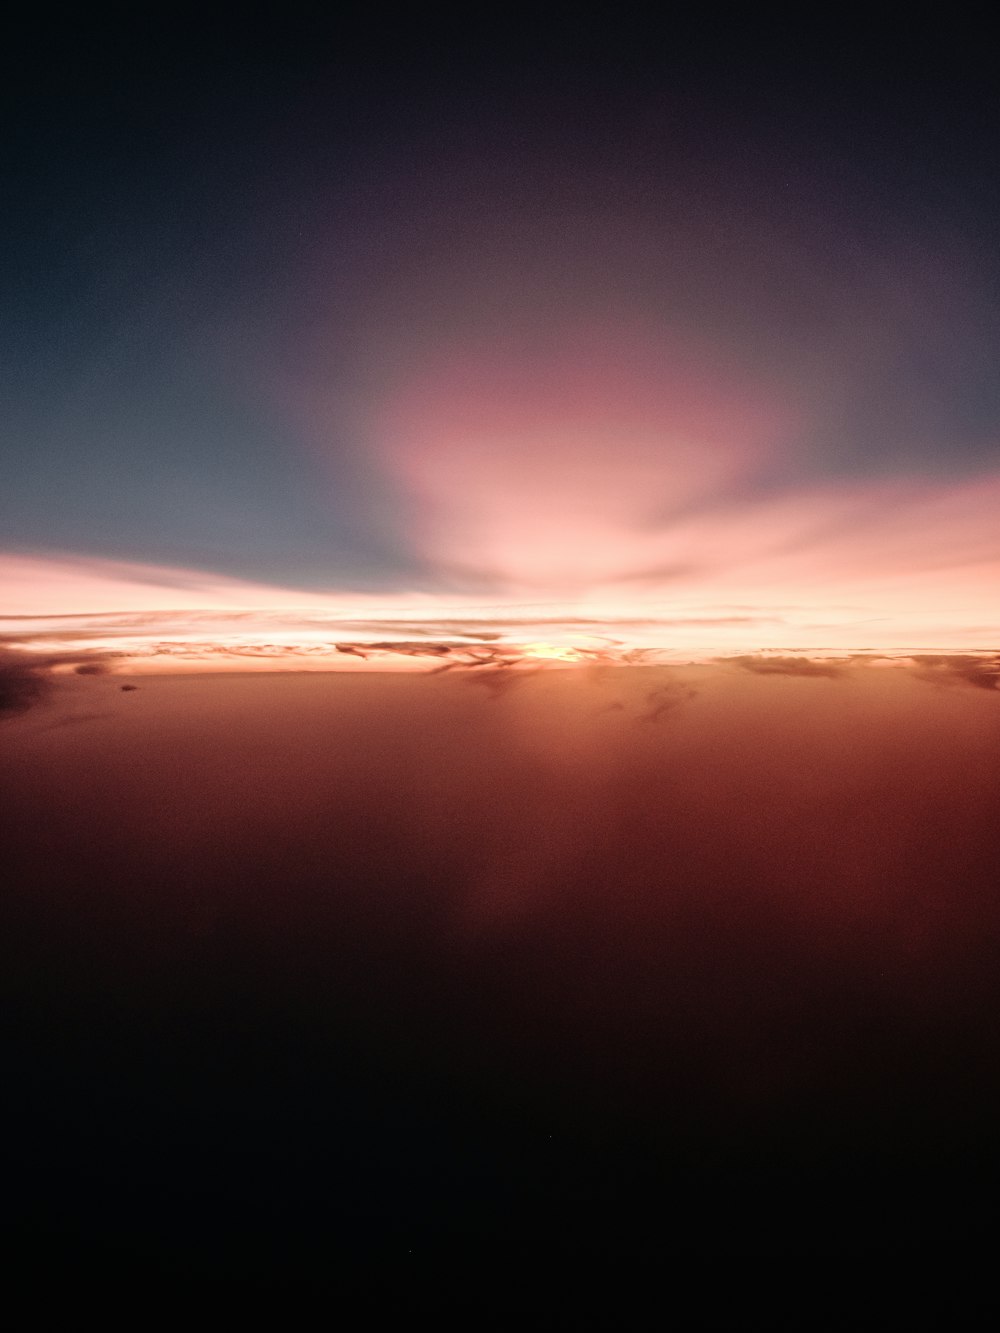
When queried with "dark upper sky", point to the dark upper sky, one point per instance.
{"points": [[230, 244]]}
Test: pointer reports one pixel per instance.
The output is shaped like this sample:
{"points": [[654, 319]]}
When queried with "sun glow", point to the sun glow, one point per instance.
{"points": [[553, 651]]}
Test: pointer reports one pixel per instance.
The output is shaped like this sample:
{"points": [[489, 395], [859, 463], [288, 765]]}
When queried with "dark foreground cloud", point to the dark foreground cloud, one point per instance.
{"points": [[21, 685], [316, 977], [26, 679], [491, 967]]}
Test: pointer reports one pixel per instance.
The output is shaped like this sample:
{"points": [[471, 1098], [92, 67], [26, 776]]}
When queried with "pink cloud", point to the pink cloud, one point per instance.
{"points": [[554, 471], [618, 470]]}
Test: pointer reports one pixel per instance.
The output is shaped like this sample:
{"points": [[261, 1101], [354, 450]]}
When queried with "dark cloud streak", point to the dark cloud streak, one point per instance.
{"points": [[952, 669], [786, 666]]}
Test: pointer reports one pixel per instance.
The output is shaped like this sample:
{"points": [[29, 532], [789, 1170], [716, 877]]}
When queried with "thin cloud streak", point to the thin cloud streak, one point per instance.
{"points": [[787, 666]]}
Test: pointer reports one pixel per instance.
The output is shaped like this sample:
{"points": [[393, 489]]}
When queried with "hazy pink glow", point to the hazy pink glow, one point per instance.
{"points": [[603, 493], [554, 474], [617, 472]]}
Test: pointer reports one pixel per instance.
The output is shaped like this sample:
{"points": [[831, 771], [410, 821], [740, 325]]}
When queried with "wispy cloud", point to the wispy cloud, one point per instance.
{"points": [[822, 609], [666, 698], [786, 666], [981, 672]]}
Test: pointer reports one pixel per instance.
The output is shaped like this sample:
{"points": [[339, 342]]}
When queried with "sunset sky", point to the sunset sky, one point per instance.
{"points": [[500, 664], [573, 345]]}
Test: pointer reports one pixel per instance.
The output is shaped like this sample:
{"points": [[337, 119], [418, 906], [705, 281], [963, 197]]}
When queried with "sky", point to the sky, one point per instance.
{"points": [[327, 326], [499, 663]]}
